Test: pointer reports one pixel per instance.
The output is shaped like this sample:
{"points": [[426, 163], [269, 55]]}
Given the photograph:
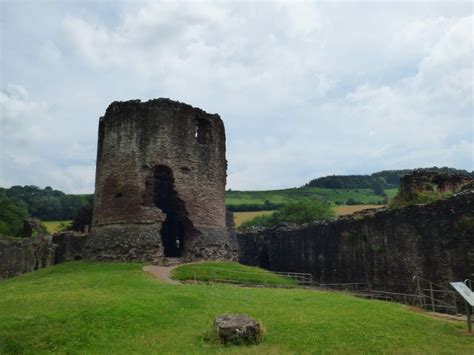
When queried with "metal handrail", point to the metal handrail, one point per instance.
{"points": [[395, 293], [300, 278], [255, 272], [427, 296], [423, 279], [346, 283]]}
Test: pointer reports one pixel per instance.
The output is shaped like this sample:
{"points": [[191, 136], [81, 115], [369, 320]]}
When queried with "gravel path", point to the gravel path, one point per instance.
{"points": [[161, 273]]}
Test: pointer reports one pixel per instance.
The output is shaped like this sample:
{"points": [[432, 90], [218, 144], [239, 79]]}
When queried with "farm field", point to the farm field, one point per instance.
{"points": [[345, 210], [55, 226], [86, 307], [241, 217], [365, 196]]}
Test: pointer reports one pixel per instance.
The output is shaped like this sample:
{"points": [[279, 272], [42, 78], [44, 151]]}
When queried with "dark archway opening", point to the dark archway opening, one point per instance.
{"points": [[177, 227]]}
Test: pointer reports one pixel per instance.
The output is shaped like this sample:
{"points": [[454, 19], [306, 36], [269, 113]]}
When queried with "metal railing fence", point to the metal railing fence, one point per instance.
{"points": [[429, 295], [252, 278], [435, 297]]}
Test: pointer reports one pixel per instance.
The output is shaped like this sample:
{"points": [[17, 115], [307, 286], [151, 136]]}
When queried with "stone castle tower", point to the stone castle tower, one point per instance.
{"points": [[161, 175]]}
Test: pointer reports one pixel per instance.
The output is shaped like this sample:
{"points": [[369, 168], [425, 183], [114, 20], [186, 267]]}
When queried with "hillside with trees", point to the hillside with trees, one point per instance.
{"points": [[385, 179], [48, 204]]}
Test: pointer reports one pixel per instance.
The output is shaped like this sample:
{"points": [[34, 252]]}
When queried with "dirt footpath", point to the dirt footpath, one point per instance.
{"points": [[161, 273]]}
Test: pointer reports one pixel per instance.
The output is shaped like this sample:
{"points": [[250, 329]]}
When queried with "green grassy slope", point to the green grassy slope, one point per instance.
{"points": [[365, 196], [229, 271], [84, 307]]}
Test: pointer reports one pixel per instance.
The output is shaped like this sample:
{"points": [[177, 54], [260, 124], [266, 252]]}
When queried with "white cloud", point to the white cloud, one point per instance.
{"points": [[204, 49], [32, 151], [417, 38], [305, 88], [49, 52], [22, 119], [447, 71]]}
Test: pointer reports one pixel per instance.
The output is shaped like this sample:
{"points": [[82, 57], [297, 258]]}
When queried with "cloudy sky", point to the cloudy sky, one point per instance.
{"points": [[305, 89]]}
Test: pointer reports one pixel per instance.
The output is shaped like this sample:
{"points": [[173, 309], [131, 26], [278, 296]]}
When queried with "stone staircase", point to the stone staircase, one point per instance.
{"points": [[168, 261]]}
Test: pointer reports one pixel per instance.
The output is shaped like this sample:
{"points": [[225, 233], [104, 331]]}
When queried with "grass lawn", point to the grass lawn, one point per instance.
{"points": [[229, 271], [85, 307], [391, 193], [55, 226]]}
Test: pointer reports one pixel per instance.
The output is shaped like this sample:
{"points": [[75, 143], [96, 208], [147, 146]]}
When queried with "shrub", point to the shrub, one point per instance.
{"points": [[298, 212], [82, 218], [419, 198], [251, 207], [351, 202]]}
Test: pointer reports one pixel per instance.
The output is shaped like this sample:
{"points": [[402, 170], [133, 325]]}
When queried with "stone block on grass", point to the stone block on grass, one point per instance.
{"points": [[237, 329]]}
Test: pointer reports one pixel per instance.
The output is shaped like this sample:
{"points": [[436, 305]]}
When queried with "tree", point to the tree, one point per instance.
{"points": [[12, 216], [298, 212], [378, 188], [82, 218], [47, 204]]}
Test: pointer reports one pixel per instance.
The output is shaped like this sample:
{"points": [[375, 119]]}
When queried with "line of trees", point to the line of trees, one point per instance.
{"points": [[47, 204], [20, 202], [250, 207]]}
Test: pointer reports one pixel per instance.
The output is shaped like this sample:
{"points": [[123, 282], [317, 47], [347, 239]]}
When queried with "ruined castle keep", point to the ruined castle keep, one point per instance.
{"points": [[160, 178]]}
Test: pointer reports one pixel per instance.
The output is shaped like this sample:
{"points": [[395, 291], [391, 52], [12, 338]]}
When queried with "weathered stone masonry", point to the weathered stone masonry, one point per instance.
{"points": [[427, 181], [385, 248], [18, 256], [161, 175]]}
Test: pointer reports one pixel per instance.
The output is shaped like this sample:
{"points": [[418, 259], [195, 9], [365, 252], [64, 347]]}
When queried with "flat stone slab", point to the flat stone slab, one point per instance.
{"points": [[237, 329]]}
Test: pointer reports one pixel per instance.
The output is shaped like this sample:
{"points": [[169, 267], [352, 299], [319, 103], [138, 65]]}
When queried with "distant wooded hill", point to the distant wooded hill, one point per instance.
{"points": [[376, 188], [387, 179], [19, 202]]}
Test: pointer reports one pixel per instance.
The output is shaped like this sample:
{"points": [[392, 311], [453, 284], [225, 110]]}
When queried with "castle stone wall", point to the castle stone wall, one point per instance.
{"points": [[386, 248], [18, 256]]}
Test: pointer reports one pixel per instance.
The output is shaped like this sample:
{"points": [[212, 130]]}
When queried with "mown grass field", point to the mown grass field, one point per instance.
{"points": [[229, 271], [365, 196], [55, 226], [85, 307]]}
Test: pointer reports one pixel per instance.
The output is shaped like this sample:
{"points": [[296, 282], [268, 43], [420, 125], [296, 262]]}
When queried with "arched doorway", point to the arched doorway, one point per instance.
{"points": [[177, 226]]}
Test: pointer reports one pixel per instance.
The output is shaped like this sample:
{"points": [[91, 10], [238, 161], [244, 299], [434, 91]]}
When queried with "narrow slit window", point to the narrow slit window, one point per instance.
{"points": [[203, 132]]}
